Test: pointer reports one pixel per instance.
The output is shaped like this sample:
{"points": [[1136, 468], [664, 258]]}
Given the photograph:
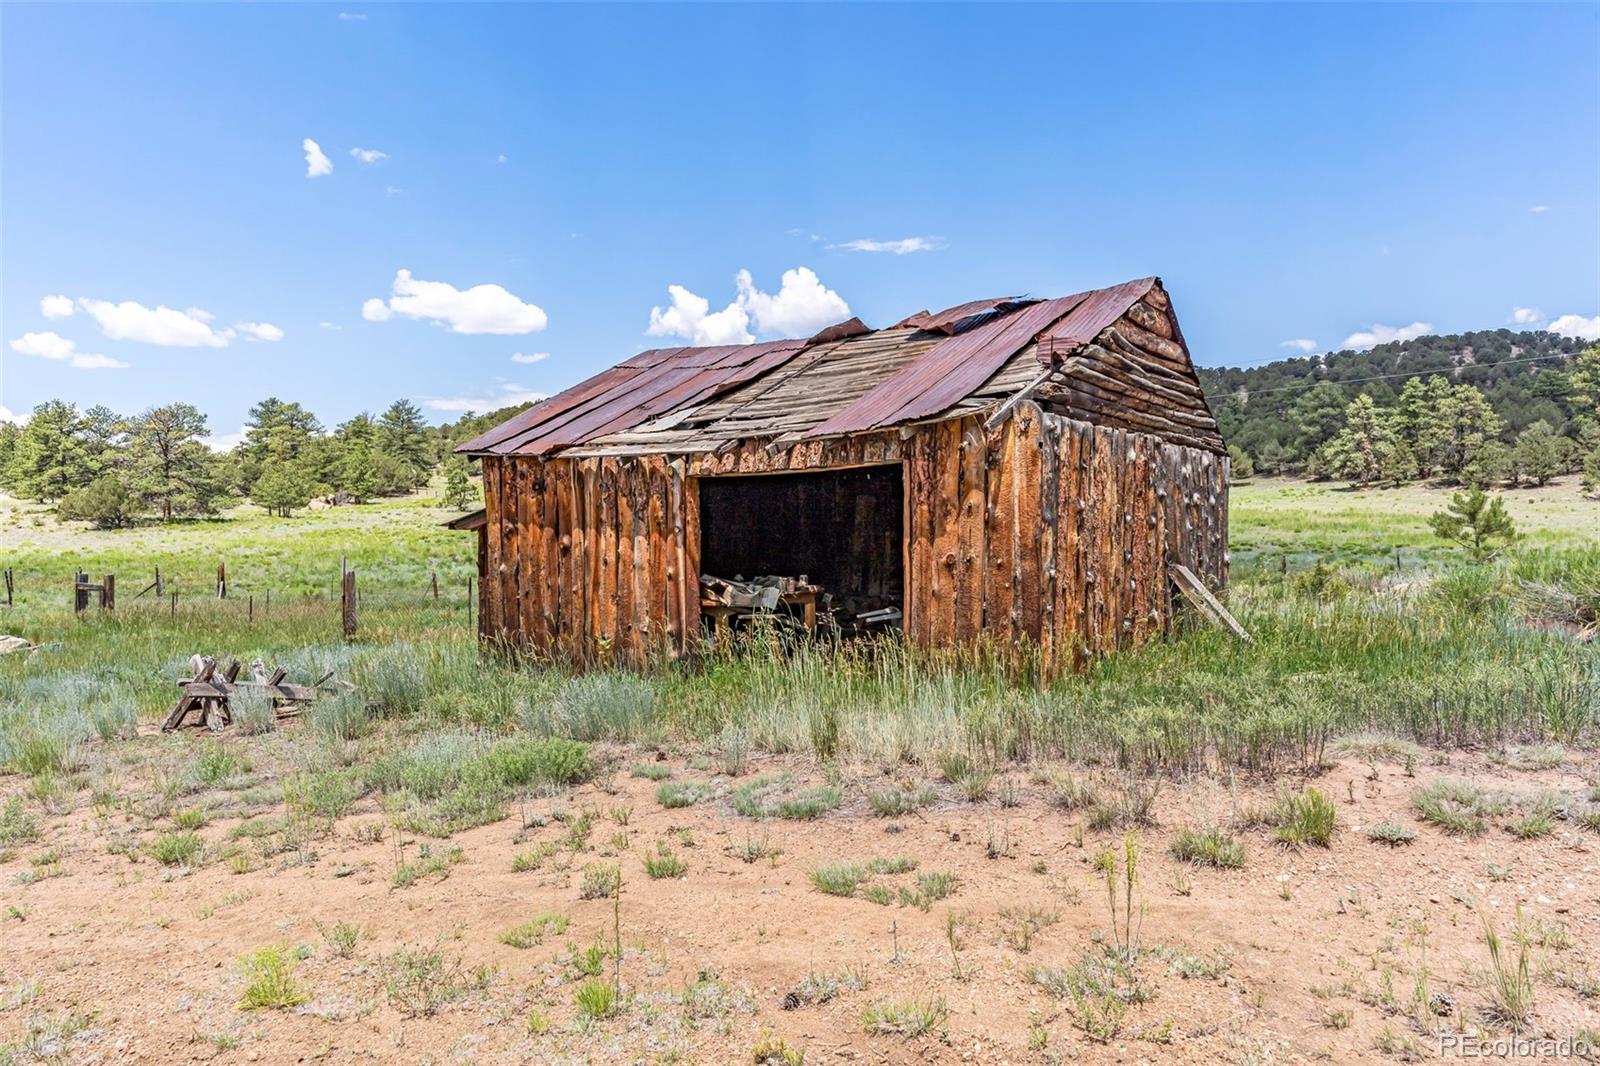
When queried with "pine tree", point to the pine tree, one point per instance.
{"points": [[460, 493], [403, 435], [1465, 423], [49, 459], [280, 489], [105, 502], [1539, 454], [1364, 450], [1477, 522], [168, 465]]}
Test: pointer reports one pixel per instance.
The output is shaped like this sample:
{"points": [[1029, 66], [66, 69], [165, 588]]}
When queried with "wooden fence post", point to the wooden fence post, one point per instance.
{"points": [[435, 584], [9, 586], [469, 603], [158, 583], [347, 602], [250, 609], [222, 582], [80, 595], [174, 603], [108, 592]]}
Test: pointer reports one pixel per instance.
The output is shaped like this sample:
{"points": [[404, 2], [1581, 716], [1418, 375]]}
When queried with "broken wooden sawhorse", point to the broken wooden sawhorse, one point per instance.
{"points": [[206, 694]]}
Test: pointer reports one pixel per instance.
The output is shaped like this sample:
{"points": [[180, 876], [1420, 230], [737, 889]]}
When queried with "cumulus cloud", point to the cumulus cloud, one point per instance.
{"points": [[8, 415], [317, 164], [1538, 209], [690, 317], [903, 246], [529, 357], [259, 331], [131, 321], [1300, 344], [501, 158], [480, 309], [1524, 316], [331, 325], [1578, 326], [53, 346], [1381, 334], [368, 155], [508, 395], [56, 307], [801, 306]]}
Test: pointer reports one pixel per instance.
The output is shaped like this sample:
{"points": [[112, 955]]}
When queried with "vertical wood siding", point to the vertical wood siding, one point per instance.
{"points": [[1044, 528]]}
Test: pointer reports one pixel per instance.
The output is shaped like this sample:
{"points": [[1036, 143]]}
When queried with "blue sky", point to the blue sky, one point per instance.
{"points": [[1294, 173]]}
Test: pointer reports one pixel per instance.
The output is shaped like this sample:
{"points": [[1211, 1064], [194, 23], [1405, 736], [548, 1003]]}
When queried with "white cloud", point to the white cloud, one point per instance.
{"points": [[903, 246], [1524, 316], [56, 307], [690, 317], [130, 321], [317, 164], [480, 309], [367, 155], [330, 325], [509, 395], [1584, 329], [222, 442], [351, 16], [59, 349], [259, 331], [801, 306], [8, 415], [1381, 334], [1300, 344], [1538, 209], [529, 357], [501, 158]]}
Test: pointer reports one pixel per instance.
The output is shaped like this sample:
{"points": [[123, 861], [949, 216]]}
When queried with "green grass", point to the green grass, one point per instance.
{"points": [[181, 848], [908, 1018], [1305, 818], [1393, 834], [596, 999], [839, 878], [673, 794], [269, 981], [533, 931], [1459, 807], [664, 863], [1209, 847]]}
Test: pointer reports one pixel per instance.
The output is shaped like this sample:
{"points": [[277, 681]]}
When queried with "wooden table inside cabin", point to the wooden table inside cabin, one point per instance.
{"points": [[805, 598]]}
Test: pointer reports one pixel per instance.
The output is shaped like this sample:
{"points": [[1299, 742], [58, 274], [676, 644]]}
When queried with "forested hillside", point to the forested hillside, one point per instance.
{"points": [[1485, 407]]}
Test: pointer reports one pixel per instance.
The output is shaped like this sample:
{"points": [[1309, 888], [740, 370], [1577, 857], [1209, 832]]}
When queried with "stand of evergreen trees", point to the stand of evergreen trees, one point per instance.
{"points": [[1482, 409], [115, 470]]}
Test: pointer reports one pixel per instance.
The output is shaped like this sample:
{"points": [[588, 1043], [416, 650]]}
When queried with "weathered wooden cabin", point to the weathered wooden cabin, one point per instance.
{"points": [[1017, 468]]}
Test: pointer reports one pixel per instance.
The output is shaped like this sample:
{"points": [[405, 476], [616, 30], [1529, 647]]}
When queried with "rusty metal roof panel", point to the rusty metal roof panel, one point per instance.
{"points": [[1097, 311], [952, 319], [631, 393]]}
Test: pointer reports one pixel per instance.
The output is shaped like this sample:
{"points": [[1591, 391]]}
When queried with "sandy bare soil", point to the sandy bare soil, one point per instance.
{"points": [[1304, 954]]}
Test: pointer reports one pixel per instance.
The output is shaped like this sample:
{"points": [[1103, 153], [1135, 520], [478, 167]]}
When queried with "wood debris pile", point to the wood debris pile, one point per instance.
{"points": [[207, 691]]}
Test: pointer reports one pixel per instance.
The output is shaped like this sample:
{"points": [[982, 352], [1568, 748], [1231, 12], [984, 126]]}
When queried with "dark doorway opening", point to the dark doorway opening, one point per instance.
{"points": [[840, 529]]}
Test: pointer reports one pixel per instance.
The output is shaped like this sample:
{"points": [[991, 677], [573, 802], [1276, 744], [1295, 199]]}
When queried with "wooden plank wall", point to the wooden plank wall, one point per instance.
{"points": [[1045, 528], [1054, 530], [584, 555]]}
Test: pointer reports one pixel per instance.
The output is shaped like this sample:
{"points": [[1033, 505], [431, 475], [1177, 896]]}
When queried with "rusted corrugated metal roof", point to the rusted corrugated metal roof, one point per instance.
{"points": [[957, 366], [650, 384], [917, 369], [1097, 311], [951, 319]]}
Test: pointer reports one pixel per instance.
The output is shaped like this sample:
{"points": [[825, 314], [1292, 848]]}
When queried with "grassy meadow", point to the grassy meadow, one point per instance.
{"points": [[1361, 619]]}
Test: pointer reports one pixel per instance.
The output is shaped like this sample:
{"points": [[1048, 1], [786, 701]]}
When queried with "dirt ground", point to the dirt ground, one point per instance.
{"points": [[1304, 954]]}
